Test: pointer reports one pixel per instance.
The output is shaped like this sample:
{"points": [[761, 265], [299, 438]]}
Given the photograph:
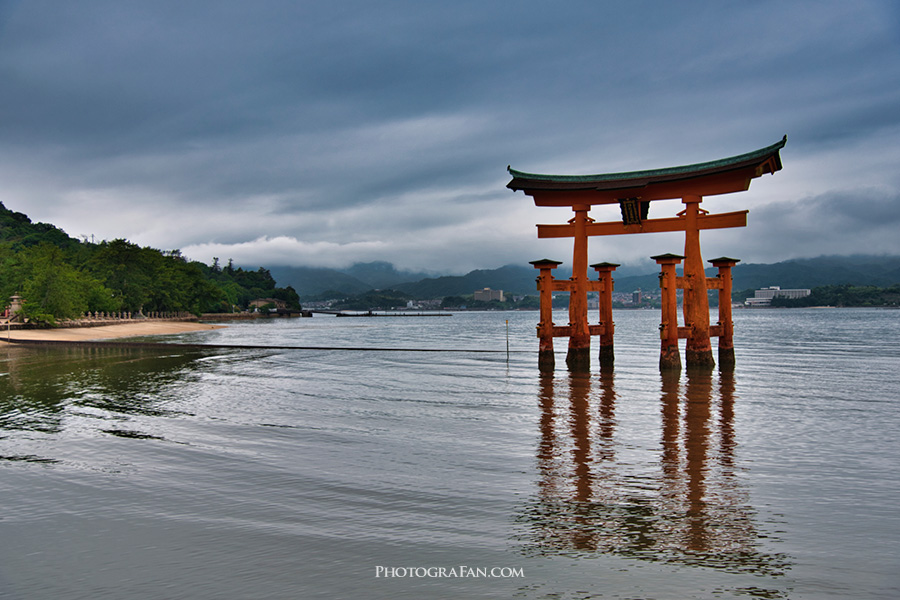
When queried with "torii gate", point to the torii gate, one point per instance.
{"points": [[633, 192]]}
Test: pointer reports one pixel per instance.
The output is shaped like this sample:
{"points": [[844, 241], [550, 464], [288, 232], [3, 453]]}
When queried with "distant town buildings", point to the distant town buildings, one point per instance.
{"points": [[764, 296], [638, 298], [487, 294]]}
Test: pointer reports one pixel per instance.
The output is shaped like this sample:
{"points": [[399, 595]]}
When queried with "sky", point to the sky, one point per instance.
{"points": [[327, 133]]}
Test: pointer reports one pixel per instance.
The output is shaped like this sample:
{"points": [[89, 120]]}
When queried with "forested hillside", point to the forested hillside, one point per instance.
{"points": [[62, 277]]}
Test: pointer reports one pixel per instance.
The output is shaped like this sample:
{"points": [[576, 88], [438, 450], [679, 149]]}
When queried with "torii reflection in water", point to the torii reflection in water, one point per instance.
{"points": [[685, 504]]}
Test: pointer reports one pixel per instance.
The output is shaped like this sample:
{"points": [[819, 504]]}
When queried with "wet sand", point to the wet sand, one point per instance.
{"points": [[107, 332]]}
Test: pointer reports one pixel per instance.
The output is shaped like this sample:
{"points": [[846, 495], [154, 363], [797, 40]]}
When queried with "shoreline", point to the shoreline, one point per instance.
{"points": [[106, 332]]}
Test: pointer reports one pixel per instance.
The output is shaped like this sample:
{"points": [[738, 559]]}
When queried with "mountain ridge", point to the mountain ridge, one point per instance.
{"points": [[858, 269]]}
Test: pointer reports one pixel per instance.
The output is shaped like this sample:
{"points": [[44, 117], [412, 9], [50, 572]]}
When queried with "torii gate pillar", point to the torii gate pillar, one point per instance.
{"points": [[579, 356], [669, 357], [725, 325], [698, 351], [607, 327], [545, 285]]}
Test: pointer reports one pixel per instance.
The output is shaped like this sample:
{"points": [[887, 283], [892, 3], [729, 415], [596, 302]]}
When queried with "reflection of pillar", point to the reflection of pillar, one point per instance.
{"points": [[579, 355], [695, 302], [726, 336], [580, 426], [584, 533], [698, 394], [607, 354], [546, 359], [670, 417], [726, 418], [547, 454], [607, 424], [669, 358]]}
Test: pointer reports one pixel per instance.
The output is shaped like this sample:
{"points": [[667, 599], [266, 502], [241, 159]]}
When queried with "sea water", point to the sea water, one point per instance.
{"points": [[429, 462]]}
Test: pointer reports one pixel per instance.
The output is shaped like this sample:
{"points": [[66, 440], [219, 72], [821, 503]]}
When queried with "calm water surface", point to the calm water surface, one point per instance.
{"points": [[278, 473]]}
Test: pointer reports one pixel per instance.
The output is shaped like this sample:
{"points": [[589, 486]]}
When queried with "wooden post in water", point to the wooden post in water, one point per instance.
{"points": [[695, 302], [545, 284], [607, 327], [725, 325], [669, 357], [579, 356]]}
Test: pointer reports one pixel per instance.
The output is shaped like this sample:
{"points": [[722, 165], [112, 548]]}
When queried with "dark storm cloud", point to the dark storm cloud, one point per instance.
{"points": [[363, 131], [861, 221]]}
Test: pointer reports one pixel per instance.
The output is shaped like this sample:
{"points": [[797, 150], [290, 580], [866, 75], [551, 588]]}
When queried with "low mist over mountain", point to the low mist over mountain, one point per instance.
{"points": [[825, 270], [358, 278], [520, 279], [381, 274]]}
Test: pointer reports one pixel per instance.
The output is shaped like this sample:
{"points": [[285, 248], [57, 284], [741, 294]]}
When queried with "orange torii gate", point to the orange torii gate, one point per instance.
{"points": [[633, 192]]}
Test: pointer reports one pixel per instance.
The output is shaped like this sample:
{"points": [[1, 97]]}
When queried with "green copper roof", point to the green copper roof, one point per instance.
{"points": [[525, 181]]}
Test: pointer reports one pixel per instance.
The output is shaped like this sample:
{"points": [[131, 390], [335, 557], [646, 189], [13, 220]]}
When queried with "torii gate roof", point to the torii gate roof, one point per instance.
{"points": [[722, 176]]}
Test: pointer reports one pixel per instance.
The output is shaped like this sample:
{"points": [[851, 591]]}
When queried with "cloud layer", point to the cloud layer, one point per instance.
{"points": [[328, 133]]}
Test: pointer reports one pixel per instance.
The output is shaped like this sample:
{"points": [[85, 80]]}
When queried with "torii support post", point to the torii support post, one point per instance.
{"points": [[726, 326], [546, 359], [607, 327], [695, 302], [669, 357], [579, 356]]}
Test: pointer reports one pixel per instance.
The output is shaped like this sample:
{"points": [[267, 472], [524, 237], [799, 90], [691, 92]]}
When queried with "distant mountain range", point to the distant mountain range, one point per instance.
{"points": [[359, 278], [520, 279], [18, 233]]}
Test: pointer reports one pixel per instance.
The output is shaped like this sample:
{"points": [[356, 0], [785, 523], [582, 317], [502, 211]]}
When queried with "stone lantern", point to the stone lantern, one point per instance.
{"points": [[15, 307]]}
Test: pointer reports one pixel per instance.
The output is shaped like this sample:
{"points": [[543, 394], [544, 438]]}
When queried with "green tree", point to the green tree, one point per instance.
{"points": [[289, 295], [124, 268], [53, 289], [453, 302]]}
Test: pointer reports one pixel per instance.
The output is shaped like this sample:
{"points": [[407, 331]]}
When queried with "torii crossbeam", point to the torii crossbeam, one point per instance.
{"points": [[633, 192]]}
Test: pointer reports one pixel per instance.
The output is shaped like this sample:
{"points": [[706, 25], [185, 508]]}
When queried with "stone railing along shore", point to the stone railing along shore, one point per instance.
{"points": [[100, 318]]}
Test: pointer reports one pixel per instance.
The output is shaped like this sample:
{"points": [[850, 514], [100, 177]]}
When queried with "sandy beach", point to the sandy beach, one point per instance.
{"points": [[107, 332]]}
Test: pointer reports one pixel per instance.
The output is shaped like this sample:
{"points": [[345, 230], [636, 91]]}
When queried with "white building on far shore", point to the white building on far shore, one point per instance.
{"points": [[487, 294], [764, 296]]}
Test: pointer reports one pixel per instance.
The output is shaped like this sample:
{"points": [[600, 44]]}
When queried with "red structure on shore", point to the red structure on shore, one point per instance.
{"points": [[633, 192]]}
